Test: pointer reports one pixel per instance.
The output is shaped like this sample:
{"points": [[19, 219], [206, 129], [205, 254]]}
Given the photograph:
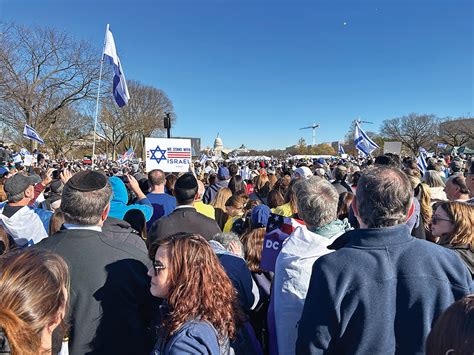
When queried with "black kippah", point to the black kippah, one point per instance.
{"points": [[87, 180], [186, 181]]}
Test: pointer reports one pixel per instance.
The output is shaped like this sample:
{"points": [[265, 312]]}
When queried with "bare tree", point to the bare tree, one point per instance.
{"points": [[42, 73], [142, 117], [414, 131], [456, 132]]}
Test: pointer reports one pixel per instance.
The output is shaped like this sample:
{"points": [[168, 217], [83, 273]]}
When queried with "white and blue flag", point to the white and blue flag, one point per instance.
{"points": [[340, 149], [362, 142], [30, 133], [421, 161], [120, 89]]}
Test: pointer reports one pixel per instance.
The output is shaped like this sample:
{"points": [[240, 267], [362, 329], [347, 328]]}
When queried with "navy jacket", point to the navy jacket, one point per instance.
{"points": [[379, 293]]}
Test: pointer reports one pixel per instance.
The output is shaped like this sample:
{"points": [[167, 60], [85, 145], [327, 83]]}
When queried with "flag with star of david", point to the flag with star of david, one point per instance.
{"points": [[279, 228]]}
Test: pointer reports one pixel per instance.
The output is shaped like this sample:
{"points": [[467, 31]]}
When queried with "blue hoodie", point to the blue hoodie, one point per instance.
{"points": [[118, 205]]}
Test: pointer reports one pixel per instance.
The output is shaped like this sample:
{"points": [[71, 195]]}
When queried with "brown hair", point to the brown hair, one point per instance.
{"points": [[462, 215], [4, 241], [452, 332], [237, 201], [32, 284], [199, 286], [275, 199], [345, 200], [253, 245], [56, 221]]}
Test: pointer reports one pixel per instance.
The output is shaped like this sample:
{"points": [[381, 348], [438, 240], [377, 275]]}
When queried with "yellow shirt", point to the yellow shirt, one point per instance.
{"points": [[283, 210], [206, 210]]}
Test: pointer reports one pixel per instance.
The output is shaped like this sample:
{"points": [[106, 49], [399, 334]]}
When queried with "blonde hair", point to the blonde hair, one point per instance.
{"points": [[462, 215], [221, 198]]}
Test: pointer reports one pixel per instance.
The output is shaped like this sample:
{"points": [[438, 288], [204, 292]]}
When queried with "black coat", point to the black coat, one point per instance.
{"points": [[185, 219], [121, 231], [110, 301]]}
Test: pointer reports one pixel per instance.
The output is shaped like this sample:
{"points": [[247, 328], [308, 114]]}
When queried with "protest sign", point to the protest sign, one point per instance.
{"points": [[392, 147], [28, 161], [168, 154]]}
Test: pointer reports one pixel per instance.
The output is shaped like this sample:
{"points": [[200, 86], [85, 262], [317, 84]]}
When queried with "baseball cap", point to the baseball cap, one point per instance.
{"points": [[304, 172], [223, 172], [19, 183]]}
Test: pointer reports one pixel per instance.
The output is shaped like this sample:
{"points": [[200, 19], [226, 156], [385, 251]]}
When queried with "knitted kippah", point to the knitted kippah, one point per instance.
{"points": [[87, 180]]}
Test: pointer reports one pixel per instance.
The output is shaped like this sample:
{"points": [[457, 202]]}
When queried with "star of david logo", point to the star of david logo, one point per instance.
{"points": [[159, 151]]}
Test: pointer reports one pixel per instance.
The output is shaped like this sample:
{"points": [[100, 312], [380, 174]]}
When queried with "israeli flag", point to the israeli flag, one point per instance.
{"points": [[30, 133], [340, 150], [421, 162], [362, 142], [120, 89]]}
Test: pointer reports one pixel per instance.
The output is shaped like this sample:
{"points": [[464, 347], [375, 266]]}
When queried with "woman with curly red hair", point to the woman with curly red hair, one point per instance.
{"points": [[200, 313]]}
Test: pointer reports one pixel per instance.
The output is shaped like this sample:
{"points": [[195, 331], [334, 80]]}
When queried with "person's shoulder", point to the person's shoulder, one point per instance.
{"points": [[122, 248], [194, 337]]}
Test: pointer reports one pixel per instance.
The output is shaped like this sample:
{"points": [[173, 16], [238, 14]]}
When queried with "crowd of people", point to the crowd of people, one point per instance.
{"points": [[374, 256]]}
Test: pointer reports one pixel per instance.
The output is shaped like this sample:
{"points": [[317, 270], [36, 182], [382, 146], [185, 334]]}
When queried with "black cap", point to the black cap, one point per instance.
{"points": [[185, 187], [87, 180]]}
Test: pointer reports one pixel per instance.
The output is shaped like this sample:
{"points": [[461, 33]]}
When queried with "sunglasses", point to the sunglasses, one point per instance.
{"points": [[157, 267], [436, 219]]}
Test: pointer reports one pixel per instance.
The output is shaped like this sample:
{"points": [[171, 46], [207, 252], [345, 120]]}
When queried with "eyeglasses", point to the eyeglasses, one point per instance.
{"points": [[436, 219], [158, 267]]}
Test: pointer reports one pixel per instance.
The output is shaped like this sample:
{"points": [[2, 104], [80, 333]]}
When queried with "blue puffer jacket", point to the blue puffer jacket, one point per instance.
{"points": [[118, 205]]}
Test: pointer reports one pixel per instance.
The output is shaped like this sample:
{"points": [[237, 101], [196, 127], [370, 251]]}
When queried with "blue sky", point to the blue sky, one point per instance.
{"points": [[257, 70]]}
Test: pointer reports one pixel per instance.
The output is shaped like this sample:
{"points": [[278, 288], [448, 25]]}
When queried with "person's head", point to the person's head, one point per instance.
{"points": [[275, 199], [185, 189], [345, 200], [470, 178], [433, 178], [389, 160], [156, 177], [453, 331], [235, 205], [86, 198], [226, 239], [340, 173], [236, 183], [223, 173], [302, 172], [34, 286], [456, 188], [137, 221], [317, 200], [56, 221], [20, 189], [383, 198], [170, 181], [233, 170], [253, 245], [453, 223], [262, 185], [187, 273], [221, 198]]}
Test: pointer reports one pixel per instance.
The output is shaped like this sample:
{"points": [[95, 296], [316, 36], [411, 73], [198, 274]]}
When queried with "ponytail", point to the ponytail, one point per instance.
{"points": [[16, 336]]}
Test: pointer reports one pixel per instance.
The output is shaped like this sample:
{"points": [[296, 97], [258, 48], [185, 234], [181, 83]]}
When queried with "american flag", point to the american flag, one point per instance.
{"points": [[279, 229]]}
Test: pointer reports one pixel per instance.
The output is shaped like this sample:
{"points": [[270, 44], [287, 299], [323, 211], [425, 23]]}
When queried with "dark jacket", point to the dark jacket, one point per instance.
{"points": [[110, 301], [121, 231], [466, 254], [211, 191], [184, 219], [379, 293], [341, 186]]}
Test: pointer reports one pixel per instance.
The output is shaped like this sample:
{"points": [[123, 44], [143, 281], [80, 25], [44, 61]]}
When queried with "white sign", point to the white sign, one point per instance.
{"points": [[168, 154], [392, 147], [28, 160]]}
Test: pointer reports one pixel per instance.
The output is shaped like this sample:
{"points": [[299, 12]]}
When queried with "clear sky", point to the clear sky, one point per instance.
{"points": [[257, 70]]}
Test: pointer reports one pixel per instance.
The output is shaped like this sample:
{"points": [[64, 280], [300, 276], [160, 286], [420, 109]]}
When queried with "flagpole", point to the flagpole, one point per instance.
{"points": [[98, 93]]}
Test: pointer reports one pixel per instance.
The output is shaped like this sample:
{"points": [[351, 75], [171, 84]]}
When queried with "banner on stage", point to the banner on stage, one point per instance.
{"points": [[168, 154]]}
